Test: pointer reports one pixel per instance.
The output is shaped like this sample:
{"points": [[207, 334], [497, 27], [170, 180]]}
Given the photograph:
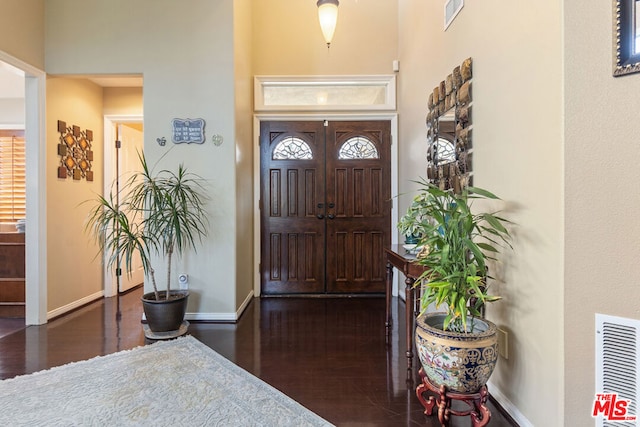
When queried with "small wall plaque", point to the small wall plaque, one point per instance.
{"points": [[188, 130]]}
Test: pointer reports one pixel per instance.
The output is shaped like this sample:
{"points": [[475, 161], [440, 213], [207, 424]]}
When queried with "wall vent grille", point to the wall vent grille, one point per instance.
{"points": [[617, 362]]}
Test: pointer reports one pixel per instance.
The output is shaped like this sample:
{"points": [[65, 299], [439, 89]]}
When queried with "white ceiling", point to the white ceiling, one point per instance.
{"points": [[12, 81], [116, 81]]}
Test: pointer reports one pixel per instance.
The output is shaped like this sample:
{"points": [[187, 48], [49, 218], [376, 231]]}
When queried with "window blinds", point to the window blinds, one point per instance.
{"points": [[12, 176]]}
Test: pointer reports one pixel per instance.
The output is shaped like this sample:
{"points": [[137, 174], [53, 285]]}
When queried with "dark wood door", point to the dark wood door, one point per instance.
{"points": [[359, 205], [325, 206]]}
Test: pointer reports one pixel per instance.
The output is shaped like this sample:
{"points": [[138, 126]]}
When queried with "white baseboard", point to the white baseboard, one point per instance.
{"points": [[210, 317], [221, 317], [72, 306], [244, 305], [508, 406]]}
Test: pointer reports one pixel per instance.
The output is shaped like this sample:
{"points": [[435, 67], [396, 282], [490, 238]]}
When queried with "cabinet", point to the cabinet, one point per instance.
{"points": [[12, 275]]}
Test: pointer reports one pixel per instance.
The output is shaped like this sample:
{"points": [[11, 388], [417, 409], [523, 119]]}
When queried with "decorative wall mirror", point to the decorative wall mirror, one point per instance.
{"points": [[626, 30], [449, 130]]}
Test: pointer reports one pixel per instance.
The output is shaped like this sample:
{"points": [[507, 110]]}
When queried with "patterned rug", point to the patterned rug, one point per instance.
{"points": [[180, 382]]}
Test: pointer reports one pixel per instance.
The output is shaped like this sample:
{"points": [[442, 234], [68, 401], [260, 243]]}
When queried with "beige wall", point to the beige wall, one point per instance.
{"points": [[245, 210], [184, 50], [213, 81], [125, 101], [22, 30], [535, 65], [518, 143], [602, 199], [75, 276], [287, 39], [73, 270], [12, 111]]}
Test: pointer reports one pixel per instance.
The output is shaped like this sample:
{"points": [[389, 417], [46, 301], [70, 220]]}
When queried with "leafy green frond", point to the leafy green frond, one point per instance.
{"points": [[482, 192], [460, 243], [158, 213]]}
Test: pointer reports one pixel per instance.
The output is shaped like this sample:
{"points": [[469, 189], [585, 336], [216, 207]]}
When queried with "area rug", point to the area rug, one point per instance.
{"points": [[180, 382]]}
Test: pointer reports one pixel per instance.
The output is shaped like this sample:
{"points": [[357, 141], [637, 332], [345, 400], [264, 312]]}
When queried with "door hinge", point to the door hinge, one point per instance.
{"points": [[118, 272], [118, 144]]}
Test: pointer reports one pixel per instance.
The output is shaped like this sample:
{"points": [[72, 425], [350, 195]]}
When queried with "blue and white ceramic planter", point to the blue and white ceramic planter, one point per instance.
{"points": [[463, 362]]}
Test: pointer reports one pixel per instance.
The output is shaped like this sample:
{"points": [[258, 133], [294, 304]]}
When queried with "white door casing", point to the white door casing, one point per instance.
{"points": [[36, 220], [110, 152], [131, 144], [368, 97], [392, 117]]}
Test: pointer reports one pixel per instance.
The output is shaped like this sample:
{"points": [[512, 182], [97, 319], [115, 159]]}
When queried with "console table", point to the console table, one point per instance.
{"points": [[399, 258]]}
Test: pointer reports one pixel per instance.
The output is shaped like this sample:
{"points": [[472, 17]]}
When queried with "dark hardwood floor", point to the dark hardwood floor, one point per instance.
{"points": [[329, 354]]}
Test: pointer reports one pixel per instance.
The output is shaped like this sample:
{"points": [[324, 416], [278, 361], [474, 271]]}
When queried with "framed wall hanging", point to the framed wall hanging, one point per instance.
{"points": [[626, 37], [75, 152]]}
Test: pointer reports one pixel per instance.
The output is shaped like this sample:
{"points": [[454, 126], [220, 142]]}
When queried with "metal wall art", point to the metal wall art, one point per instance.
{"points": [[75, 152], [449, 130], [217, 139], [626, 50]]}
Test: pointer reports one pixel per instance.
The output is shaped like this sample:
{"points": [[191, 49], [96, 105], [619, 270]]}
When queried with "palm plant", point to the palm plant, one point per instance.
{"points": [[457, 245], [159, 214]]}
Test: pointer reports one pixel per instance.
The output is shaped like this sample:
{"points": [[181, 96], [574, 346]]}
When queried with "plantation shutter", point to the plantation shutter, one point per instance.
{"points": [[12, 176]]}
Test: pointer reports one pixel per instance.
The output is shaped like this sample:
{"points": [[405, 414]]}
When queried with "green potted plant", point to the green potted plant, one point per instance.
{"points": [[410, 225], [156, 214], [457, 243]]}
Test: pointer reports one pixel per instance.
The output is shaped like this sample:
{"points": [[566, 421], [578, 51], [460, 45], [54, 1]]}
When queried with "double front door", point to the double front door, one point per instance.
{"points": [[325, 206]]}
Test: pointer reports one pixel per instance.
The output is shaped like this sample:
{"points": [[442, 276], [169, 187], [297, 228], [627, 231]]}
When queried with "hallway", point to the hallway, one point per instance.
{"points": [[328, 354]]}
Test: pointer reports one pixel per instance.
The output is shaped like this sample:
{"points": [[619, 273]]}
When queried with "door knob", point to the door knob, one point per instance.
{"points": [[331, 205], [331, 216], [320, 216]]}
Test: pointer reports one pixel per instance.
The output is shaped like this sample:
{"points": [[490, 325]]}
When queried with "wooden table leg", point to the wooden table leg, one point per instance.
{"points": [[409, 318], [389, 284]]}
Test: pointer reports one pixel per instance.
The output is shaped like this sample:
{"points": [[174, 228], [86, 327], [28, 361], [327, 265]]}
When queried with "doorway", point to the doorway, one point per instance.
{"points": [[120, 161], [33, 81], [325, 210], [129, 146]]}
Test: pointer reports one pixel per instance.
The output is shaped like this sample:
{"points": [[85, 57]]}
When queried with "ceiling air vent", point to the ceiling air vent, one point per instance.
{"points": [[617, 368], [451, 10]]}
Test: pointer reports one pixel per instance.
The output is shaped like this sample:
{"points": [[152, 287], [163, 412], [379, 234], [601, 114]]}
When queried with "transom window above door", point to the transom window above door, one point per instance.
{"points": [[325, 93], [292, 148], [358, 147]]}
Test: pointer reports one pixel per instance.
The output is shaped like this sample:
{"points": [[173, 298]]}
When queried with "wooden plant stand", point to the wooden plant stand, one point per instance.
{"points": [[480, 414]]}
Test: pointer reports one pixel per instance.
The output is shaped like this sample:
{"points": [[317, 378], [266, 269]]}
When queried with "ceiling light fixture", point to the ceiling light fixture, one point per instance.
{"points": [[328, 16]]}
